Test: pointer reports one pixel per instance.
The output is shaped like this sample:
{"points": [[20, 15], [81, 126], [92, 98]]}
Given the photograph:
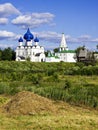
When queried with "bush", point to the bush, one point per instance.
{"points": [[4, 88], [67, 84]]}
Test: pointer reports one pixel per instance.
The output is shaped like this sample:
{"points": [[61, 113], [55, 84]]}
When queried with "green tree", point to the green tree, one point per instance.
{"points": [[56, 50], [0, 54], [13, 55], [46, 53], [97, 47], [7, 54]]}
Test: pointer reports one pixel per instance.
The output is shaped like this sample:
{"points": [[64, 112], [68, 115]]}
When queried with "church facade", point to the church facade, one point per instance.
{"points": [[31, 50], [28, 51]]}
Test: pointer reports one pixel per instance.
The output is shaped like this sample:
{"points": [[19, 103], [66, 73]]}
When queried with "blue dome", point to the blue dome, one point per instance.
{"points": [[20, 39], [28, 36], [28, 39], [36, 40]]}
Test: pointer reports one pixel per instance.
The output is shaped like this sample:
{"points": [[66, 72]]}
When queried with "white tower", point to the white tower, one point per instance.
{"points": [[63, 44]]}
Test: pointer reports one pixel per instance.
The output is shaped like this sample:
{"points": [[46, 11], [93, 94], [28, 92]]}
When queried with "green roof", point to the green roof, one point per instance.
{"points": [[67, 51]]}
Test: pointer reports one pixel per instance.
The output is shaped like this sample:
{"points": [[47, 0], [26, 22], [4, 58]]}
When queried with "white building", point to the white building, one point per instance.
{"points": [[52, 58], [27, 51], [36, 53], [64, 53]]}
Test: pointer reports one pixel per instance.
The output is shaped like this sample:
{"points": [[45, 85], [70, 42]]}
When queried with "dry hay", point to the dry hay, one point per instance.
{"points": [[28, 103]]}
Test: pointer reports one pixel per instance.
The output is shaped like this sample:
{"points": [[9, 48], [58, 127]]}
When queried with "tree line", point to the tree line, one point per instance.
{"points": [[7, 54]]}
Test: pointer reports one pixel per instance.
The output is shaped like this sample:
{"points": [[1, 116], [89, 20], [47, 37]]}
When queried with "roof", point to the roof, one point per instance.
{"points": [[63, 41], [52, 55]]}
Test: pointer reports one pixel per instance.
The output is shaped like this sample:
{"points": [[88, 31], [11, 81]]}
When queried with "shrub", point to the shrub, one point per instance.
{"points": [[4, 88], [67, 84]]}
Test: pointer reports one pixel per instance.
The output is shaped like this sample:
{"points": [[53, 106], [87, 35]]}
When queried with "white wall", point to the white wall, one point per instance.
{"points": [[66, 57], [52, 59]]}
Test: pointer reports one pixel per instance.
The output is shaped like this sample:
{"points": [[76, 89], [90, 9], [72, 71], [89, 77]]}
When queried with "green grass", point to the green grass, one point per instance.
{"points": [[77, 90], [76, 84]]}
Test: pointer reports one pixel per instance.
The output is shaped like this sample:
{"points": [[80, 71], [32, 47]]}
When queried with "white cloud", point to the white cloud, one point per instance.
{"points": [[33, 20], [3, 21], [4, 35], [6, 39], [8, 9], [95, 40], [48, 39], [48, 36], [87, 39], [84, 38], [51, 40]]}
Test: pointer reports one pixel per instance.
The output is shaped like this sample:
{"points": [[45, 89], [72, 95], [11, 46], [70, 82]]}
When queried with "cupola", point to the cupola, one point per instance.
{"points": [[20, 39], [28, 36], [36, 40]]}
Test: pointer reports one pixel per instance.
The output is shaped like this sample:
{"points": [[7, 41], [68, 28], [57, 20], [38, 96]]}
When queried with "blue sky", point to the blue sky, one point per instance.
{"points": [[47, 19]]}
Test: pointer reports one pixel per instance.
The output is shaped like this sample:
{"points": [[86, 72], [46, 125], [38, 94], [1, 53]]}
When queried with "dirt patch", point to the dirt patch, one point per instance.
{"points": [[28, 103]]}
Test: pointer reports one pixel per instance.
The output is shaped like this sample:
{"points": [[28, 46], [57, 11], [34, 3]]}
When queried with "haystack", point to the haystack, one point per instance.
{"points": [[28, 103]]}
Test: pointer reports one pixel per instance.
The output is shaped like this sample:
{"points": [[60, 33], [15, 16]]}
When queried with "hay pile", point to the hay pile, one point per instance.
{"points": [[28, 103]]}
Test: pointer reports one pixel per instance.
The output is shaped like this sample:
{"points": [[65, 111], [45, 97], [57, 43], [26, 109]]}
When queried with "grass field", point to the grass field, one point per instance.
{"points": [[68, 117], [73, 87]]}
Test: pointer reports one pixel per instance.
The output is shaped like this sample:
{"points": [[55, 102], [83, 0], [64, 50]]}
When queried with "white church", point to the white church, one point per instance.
{"points": [[28, 51], [31, 50]]}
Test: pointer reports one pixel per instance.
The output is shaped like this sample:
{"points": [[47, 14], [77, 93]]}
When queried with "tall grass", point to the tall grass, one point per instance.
{"points": [[58, 81]]}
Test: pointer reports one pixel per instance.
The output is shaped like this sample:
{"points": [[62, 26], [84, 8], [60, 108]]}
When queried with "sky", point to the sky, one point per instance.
{"points": [[48, 19]]}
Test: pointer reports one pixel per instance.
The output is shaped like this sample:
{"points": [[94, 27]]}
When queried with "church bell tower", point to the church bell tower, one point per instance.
{"points": [[63, 44]]}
